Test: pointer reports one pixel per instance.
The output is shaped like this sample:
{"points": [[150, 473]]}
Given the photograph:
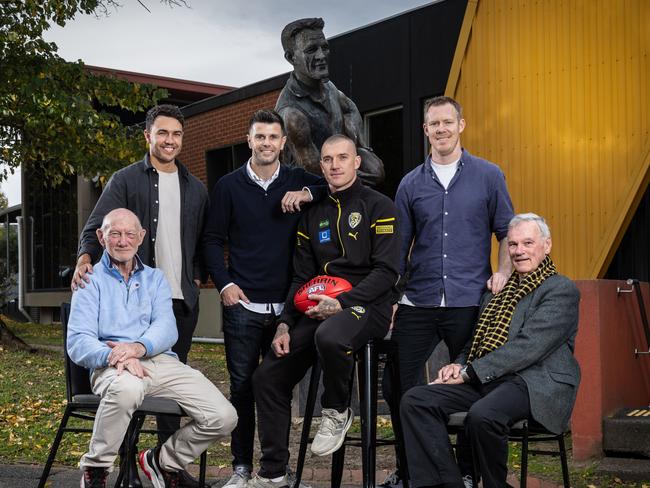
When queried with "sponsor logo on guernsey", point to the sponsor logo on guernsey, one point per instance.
{"points": [[384, 229], [359, 309], [324, 236], [354, 219], [323, 223]]}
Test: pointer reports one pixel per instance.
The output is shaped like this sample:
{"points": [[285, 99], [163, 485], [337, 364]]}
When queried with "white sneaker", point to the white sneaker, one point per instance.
{"points": [[468, 481], [393, 480], [291, 479], [239, 478], [332, 430], [258, 481]]}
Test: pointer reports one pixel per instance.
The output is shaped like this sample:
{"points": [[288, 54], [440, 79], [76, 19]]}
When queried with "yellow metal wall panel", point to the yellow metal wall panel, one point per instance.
{"points": [[556, 93]]}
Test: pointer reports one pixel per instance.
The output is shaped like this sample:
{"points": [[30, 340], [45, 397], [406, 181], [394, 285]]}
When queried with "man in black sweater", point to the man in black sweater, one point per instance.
{"points": [[253, 213], [352, 235]]}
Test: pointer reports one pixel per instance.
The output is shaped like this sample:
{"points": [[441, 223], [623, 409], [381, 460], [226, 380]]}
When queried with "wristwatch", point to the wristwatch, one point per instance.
{"points": [[465, 375]]}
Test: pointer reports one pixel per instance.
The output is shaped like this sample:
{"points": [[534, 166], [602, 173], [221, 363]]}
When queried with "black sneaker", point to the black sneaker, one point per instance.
{"points": [[94, 477], [159, 477]]}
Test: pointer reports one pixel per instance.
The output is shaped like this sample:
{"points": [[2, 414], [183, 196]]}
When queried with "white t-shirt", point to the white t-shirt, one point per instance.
{"points": [[169, 256]]}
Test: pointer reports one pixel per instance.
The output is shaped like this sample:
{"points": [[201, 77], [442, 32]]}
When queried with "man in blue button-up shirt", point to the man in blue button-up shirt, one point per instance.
{"points": [[448, 209]]}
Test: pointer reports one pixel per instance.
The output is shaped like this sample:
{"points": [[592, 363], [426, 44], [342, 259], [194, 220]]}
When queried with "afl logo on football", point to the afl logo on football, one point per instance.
{"points": [[354, 219], [317, 288]]}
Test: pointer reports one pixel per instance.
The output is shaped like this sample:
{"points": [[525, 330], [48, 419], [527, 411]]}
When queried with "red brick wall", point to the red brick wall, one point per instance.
{"points": [[220, 127]]}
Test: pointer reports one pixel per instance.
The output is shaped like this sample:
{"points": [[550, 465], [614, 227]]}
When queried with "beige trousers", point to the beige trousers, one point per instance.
{"points": [[212, 416]]}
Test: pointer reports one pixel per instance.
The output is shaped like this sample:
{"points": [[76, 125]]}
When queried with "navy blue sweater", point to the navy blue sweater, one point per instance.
{"points": [[260, 238]]}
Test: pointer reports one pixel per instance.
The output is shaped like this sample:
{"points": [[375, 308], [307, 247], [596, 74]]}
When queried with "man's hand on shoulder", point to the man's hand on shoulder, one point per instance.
{"points": [[133, 366], [122, 351], [326, 307], [82, 269], [449, 375], [497, 281], [280, 344], [231, 294], [293, 199]]}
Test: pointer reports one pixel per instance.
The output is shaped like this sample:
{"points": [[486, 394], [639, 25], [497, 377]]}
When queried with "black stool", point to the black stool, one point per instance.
{"points": [[368, 359]]}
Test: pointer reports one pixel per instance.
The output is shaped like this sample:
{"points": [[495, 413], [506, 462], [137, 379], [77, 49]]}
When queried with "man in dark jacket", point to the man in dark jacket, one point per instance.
{"points": [[352, 235], [518, 364], [171, 204], [252, 213]]}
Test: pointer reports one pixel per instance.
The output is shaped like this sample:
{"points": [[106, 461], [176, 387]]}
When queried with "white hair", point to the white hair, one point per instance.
{"points": [[531, 217]]}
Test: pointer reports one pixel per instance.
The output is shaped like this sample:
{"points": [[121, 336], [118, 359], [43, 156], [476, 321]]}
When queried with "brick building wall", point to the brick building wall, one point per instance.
{"points": [[222, 126]]}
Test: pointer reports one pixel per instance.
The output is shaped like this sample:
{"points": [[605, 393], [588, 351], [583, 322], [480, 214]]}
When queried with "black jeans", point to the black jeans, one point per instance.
{"points": [[492, 408], [417, 332], [334, 340], [247, 337], [186, 320]]}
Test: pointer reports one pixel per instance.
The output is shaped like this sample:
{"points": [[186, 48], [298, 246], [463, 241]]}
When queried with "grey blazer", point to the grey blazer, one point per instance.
{"points": [[540, 350]]}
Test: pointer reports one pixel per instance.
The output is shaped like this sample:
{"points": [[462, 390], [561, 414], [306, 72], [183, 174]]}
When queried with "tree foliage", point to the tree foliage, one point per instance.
{"points": [[56, 118]]}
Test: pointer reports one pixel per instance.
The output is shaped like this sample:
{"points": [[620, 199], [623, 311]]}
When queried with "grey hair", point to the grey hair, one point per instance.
{"points": [[531, 217]]}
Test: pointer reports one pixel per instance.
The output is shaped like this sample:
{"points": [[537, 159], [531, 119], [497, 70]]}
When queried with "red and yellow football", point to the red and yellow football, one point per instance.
{"points": [[331, 286]]}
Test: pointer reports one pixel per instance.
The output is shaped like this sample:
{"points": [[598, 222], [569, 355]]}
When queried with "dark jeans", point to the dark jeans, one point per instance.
{"points": [[334, 340], [186, 320], [417, 332], [248, 337], [492, 408]]}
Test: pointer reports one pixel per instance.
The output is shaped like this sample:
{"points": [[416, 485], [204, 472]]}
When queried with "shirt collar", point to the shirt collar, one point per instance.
{"points": [[138, 265], [253, 176]]}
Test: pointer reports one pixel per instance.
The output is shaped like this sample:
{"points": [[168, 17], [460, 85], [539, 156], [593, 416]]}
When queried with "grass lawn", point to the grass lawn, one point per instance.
{"points": [[32, 400]]}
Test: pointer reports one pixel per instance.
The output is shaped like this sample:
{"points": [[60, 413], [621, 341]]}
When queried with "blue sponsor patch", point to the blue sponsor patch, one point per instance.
{"points": [[324, 236]]}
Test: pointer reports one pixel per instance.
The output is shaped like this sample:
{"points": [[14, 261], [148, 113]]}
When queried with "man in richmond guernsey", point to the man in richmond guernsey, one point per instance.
{"points": [[352, 235]]}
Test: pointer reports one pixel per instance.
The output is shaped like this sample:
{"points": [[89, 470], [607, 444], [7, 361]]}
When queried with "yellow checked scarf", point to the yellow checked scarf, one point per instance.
{"points": [[494, 322]]}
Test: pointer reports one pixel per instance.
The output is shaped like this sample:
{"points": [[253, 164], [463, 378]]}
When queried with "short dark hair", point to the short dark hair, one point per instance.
{"points": [[288, 36], [166, 110], [438, 101], [266, 116]]}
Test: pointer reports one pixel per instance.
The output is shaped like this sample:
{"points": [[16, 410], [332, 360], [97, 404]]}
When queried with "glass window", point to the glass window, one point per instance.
{"points": [[384, 133]]}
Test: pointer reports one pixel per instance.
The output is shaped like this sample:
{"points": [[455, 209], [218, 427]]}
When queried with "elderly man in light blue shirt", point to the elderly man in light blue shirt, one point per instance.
{"points": [[122, 328]]}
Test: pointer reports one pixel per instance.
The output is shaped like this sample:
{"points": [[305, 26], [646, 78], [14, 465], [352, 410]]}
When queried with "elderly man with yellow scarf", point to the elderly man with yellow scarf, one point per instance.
{"points": [[518, 364]]}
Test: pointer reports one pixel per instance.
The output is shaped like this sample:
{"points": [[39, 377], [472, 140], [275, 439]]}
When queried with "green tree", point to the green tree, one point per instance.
{"points": [[4, 201], [55, 116]]}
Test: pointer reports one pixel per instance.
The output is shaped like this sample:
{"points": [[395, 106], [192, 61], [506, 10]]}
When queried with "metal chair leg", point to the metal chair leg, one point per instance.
{"points": [[203, 466], [55, 447], [314, 380], [130, 440], [524, 456], [563, 460]]}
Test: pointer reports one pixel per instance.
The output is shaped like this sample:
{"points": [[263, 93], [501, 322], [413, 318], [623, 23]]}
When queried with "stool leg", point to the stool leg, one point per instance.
{"points": [[563, 459], [338, 462], [369, 414], [314, 379], [393, 364], [524, 456]]}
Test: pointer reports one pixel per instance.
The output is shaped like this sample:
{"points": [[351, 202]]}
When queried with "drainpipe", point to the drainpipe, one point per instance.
{"points": [[21, 272]]}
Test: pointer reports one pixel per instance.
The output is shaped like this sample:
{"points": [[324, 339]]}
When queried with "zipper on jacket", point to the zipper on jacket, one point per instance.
{"points": [[338, 231]]}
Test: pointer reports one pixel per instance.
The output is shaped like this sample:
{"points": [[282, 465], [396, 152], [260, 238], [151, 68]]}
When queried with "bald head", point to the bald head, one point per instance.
{"points": [[121, 234]]}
